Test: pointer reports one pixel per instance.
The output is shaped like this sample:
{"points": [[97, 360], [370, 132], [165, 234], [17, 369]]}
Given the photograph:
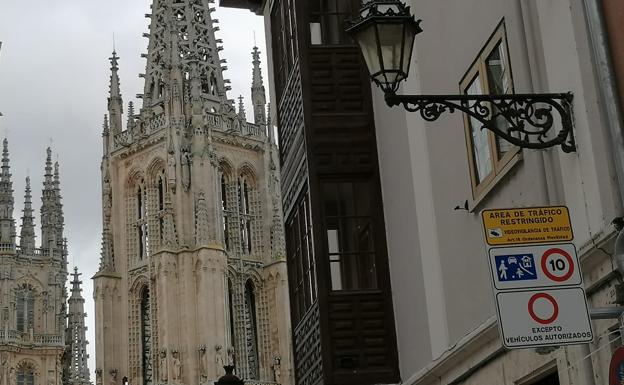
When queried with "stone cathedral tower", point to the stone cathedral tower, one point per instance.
{"points": [[192, 273], [76, 340], [32, 284]]}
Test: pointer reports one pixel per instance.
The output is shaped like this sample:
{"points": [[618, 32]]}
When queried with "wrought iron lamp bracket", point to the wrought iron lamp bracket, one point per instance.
{"points": [[526, 120]]}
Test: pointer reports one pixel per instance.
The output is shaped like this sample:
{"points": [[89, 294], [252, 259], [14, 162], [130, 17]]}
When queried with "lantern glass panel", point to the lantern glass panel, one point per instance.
{"points": [[391, 41], [410, 34], [367, 40]]}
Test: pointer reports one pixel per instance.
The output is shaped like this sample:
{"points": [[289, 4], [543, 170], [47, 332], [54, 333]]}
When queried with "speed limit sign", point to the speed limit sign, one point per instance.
{"points": [[557, 264], [534, 266]]}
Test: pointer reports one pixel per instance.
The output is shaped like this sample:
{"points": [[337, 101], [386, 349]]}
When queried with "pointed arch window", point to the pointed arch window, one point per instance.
{"points": [[146, 336], [225, 212], [231, 313], [25, 309], [25, 374], [161, 190], [251, 324], [141, 225], [244, 198]]}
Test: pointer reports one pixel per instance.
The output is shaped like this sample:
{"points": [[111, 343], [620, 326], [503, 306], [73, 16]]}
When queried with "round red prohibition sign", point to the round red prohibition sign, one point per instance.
{"points": [[564, 254], [553, 302]]}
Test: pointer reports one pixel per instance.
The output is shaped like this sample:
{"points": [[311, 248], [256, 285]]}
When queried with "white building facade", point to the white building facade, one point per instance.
{"points": [[447, 330]]}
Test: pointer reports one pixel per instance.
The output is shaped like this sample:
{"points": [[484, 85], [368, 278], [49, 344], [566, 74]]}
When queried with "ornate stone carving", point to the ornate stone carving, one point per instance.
{"points": [[113, 376], [277, 369], [219, 362], [202, 363], [176, 367], [12, 376], [171, 170], [185, 162], [98, 376], [163, 369]]}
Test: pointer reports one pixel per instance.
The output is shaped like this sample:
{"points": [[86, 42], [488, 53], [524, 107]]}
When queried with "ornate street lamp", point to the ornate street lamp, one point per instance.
{"points": [[385, 32]]}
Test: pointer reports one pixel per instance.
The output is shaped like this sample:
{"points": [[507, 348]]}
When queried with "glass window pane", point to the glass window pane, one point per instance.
{"points": [[364, 235], [498, 82], [368, 271], [346, 205], [332, 241], [362, 199], [350, 238], [316, 34], [497, 71], [336, 272], [330, 201], [390, 38], [480, 144]]}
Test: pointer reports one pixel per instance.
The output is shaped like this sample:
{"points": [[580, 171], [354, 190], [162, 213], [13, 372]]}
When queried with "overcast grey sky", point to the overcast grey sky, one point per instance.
{"points": [[54, 75]]}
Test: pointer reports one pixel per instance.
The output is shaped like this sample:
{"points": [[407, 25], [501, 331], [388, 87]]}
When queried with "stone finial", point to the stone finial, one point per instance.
{"points": [[115, 101], [258, 93], [78, 370], [241, 108], [27, 233], [7, 228]]}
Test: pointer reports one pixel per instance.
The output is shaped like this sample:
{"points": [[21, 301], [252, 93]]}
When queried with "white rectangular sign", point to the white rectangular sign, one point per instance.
{"points": [[543, 317], [524, 267]]}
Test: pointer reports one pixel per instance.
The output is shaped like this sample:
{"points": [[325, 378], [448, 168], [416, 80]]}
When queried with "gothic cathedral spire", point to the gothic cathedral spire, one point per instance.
{"points": [[51, 209], [258, 94], [75, 336], [7, 229], [115, 101], [182, 38], [27, 233]]}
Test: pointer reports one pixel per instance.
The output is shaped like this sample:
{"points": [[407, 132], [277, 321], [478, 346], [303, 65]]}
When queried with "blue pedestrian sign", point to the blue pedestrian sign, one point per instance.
{"points": [[515, 267]]}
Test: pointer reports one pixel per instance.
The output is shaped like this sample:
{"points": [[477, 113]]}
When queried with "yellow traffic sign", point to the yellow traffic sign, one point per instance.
{"points": [[527, 225]]}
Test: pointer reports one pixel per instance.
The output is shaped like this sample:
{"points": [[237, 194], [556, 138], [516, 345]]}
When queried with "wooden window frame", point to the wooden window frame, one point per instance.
{"points": [[478, 68], [342, 220], [301, 259], [284, 42]]}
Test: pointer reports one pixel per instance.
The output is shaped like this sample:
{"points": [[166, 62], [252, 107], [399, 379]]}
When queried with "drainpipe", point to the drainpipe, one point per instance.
{"points": [[608, 90]]}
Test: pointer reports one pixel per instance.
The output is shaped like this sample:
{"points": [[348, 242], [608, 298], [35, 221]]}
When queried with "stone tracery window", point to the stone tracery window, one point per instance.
{"points": [[231, 312], [25, 308], [161, 188], [25, 374], [251, 324], [146, 336], [224, 210], [240, 211], [141, 223], [246, 217]]}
